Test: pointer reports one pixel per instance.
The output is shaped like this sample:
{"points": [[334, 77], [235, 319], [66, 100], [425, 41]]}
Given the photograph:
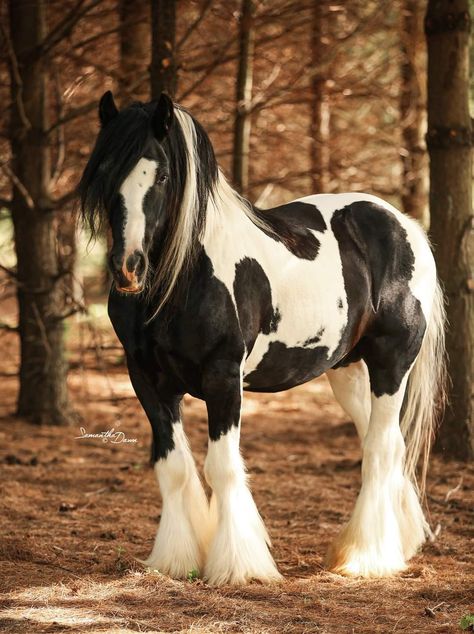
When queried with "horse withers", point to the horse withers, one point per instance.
{"points": [[213, 296]]}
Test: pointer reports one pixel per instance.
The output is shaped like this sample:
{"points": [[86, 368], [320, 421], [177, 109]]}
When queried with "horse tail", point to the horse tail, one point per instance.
{"points": [[426, 394]]}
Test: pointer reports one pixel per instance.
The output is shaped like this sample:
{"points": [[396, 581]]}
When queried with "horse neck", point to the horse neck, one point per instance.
{"points": [[228, 221]]}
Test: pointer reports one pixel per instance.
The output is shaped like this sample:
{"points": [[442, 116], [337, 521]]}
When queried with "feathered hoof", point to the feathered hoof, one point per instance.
{"points": [[238, 576], [350, 561]]}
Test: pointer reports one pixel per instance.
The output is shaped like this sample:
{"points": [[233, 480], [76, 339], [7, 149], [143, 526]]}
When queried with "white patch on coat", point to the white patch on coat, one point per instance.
{"points": [[133, 190], [239, 551], [183, 535]]}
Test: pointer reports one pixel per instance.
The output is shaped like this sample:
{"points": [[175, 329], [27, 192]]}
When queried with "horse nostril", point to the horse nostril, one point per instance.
{"points": [[136, 262], [131, 263]]}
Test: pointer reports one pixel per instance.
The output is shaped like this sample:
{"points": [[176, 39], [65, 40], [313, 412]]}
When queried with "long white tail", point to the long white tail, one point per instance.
{"points": [[425, 394]]}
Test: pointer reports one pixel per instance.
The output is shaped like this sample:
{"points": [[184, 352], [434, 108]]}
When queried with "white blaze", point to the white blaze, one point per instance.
{"points": [[133, 190]]}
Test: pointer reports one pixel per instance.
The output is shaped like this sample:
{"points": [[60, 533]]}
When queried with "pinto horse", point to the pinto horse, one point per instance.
{"points": [[213, 296]]}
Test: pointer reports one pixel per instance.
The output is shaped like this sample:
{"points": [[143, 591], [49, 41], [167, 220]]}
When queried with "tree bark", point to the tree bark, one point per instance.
{"points": [[135, 50], [449, 135], [320, 115], [243, 107], [163, 42], [412, 113], [43, 393]]}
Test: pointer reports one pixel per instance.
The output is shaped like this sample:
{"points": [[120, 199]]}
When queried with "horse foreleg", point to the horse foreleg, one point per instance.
{"points": [[239, 550], [183, 535], [182, 538]]}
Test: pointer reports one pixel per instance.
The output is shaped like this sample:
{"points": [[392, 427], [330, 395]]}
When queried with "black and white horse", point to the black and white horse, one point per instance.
{"points": [[213, 296]]}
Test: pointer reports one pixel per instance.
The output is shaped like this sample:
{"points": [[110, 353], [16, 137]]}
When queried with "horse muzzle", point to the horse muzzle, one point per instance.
{"points": [[130, 275]]}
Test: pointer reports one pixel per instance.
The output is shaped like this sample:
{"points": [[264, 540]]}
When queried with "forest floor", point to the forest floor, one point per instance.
{"points": [[76, 512]]}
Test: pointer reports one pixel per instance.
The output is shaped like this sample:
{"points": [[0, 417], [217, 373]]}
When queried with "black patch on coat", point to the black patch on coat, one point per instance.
{"points": [[292, 224], [253, 296], [282, 367], [276, 318], [316, 339]]}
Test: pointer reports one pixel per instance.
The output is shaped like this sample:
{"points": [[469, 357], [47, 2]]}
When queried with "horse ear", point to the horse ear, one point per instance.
{"points": [[107, 108], [162, 117]]}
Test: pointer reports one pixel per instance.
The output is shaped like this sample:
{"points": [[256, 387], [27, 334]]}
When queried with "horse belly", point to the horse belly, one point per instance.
{"points": [[306, 342], [282, 367]]}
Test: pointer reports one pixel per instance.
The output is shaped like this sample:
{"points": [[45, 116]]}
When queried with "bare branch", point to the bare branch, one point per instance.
{"points": [[65, 199], [65, 26], [16, 78], [208, 70], [61, 150], [73, 114], [97, 36], [192, 27], [19, 185]]}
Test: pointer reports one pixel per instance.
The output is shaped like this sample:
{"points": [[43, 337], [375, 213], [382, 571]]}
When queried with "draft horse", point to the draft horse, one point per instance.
{"points": [[213, 296]]}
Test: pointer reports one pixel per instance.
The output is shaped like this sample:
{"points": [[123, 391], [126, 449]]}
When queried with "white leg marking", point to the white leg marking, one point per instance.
{"points": [[239, 551], [351, 388], [184, 532], [413, 526], [387, 524]]}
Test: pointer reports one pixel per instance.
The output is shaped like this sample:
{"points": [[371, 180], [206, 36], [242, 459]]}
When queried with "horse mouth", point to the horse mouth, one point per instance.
{"points": [[132, 290]]}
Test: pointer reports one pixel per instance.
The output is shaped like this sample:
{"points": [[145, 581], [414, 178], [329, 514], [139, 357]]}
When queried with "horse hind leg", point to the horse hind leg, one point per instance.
{"points": [[387, 525], [351, 388]]}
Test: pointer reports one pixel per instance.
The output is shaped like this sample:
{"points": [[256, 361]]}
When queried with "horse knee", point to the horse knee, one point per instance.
{"points": [[224, 467], [174, 470]]}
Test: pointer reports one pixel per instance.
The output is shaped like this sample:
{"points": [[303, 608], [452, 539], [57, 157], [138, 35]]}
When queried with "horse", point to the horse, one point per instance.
{"points": [[212, 296]]}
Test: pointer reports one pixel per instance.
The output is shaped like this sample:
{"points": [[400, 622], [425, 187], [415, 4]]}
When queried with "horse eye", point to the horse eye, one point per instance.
{"points": [[162, 179]]}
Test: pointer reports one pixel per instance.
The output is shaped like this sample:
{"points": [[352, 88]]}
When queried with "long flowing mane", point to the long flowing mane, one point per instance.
{"points": [[197, 191]]}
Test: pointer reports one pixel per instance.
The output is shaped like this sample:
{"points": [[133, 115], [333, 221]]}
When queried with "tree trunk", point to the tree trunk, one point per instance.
{"points": [[43, 392], [135, 53], [242, 121], [320, 116], [412, 112], [163, 42], [447, 27]]}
